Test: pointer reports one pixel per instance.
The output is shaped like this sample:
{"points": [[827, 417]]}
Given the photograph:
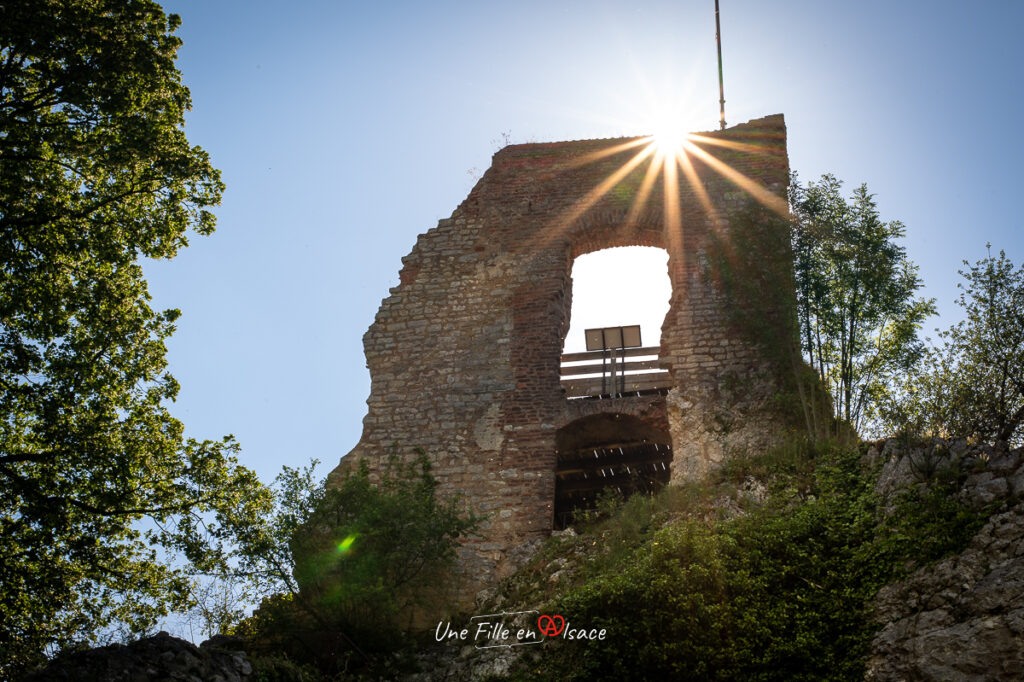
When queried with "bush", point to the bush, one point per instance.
{"points": [[369, 553], [780, 593], [355, 560]]}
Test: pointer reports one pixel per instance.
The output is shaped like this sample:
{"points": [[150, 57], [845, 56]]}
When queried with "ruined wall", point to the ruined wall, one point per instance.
{"points": [[464, 353]]}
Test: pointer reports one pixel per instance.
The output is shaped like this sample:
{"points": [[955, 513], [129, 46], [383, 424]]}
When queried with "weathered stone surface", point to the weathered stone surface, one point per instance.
{"points": [[963, 617], [160, 658], [464, 355], [467, 663]]}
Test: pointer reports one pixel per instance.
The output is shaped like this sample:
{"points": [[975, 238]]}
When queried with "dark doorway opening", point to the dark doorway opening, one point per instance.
{"points": [[607, 452]]}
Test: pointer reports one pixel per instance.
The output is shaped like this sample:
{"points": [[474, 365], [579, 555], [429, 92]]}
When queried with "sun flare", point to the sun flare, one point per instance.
{"points": [[675, 159], [669, 141]]}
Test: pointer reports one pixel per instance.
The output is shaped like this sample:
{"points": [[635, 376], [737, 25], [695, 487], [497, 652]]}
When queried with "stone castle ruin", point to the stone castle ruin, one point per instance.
{"points": [[465, 354]]}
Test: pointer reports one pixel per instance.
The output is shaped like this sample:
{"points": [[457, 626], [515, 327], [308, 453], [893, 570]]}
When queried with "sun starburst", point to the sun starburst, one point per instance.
{"points": [[681, 160]]}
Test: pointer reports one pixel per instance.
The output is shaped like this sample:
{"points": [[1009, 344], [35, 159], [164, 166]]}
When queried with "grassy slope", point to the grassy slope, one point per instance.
{"points": [[764, 573]]}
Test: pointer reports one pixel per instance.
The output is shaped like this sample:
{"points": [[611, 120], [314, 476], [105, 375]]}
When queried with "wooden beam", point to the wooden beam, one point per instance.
{"points": [[596, 355], [591, 386], [636, 464], [588, 451], [620, 367]]}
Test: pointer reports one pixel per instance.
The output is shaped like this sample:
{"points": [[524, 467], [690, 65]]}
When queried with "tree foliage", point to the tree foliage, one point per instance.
{"points": [[349, 558], [374, 549], [972, 386], [856, 289], [95, 174]]}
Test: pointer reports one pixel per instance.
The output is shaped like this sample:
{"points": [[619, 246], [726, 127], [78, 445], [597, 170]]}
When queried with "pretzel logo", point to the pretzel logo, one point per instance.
{"points": [[547, 625]]}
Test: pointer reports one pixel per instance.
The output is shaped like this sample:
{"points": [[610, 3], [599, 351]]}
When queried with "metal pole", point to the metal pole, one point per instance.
{"points": [[721, 82]]}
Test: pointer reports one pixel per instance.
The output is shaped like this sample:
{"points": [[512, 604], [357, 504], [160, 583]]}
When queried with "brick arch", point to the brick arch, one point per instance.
{"points": [[605, 238], [602, 230], [650, 410], [610, 424], [606, 231]]}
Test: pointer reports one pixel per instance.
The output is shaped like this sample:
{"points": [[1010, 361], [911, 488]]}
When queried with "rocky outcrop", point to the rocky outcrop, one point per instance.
{"points": [[161, 658], [961, 618]]}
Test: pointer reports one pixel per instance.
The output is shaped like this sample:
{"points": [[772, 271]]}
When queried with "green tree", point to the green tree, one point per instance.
{"points": [[95, 174], [972, 386], [856, 291], [372, 551], [348, 559]]}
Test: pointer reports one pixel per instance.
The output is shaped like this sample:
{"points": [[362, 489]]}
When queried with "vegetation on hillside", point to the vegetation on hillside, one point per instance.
{"points": [[343, 567], [764, 573]]}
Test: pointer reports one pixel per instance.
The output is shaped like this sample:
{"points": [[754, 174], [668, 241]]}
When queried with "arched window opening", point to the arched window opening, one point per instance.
{"points": [[602, 452], [616, 288]]}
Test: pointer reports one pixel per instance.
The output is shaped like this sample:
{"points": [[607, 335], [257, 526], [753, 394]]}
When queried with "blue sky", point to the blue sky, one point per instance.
{"points": [[345, 129]]}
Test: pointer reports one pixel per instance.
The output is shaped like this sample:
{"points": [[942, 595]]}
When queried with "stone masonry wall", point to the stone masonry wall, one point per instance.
{"points": [[464, 353]]}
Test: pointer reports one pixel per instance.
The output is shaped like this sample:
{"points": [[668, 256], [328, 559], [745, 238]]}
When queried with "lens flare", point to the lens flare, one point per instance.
{"points": [[345, 545]]}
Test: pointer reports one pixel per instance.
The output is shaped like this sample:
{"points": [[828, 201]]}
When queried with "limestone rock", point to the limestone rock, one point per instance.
{"points": [[160, 658], [963, 617]]}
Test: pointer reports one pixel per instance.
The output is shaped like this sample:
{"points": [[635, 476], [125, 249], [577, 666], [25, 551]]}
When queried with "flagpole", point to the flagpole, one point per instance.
{"points": [[721, 82]]}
